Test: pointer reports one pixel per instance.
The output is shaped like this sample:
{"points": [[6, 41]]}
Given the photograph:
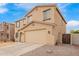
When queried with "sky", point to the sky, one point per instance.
{"points": [[10, 12]]}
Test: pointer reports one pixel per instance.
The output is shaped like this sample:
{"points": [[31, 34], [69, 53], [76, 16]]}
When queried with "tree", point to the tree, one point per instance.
{"points": [[74, 31]]}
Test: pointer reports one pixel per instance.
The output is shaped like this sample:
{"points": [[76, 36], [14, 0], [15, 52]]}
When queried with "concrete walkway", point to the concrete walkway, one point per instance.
{"points": [[18, 49]]}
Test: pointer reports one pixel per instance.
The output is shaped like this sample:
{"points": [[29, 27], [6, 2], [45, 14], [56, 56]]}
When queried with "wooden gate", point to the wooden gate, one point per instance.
{"points": [[66, 38]]}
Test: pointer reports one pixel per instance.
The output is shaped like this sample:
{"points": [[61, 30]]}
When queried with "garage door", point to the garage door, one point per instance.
{"points": [[36, 36], [75, 39]]}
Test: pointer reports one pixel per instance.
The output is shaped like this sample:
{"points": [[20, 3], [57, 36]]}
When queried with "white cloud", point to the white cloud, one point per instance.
{"points": [[3, 10], [3, 4], [29, 5], [73, 23], [24, 5], [63, 5], [20, 4]]}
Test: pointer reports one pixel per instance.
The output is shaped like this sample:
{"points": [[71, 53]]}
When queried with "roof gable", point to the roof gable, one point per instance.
{"points": [[52, 5], [40, 6], [61, 15]]}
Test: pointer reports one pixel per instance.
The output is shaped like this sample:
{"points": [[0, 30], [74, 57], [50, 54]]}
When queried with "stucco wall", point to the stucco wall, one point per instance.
{"points": [[60, 26], [37, 14]]}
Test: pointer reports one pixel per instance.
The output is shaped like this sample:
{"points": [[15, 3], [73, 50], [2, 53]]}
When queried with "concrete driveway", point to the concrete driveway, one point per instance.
{"points": [[61, 50], [18, 48], [35, 49]]}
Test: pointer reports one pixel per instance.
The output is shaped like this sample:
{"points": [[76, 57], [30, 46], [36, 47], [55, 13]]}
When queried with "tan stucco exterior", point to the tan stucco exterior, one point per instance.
{"points": [[39, 31]]}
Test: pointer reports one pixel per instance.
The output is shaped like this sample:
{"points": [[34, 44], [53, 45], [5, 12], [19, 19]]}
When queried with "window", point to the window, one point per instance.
{"points": [[24, 20], [47, 14], [17, 24], [29, 18]]}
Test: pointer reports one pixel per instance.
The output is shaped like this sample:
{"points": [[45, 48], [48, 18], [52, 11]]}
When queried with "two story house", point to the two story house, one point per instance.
{"points": [[7, 31], [44, 24]]}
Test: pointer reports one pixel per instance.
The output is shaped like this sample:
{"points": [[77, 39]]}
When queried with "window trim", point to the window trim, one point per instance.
{"points": [[46, 10], [46, 19], [44, 15]]}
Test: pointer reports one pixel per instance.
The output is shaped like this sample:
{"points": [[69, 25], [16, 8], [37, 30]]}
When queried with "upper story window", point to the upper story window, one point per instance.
{"points": [[29, 18], [24, 22], [47, 14], [17, 24]]}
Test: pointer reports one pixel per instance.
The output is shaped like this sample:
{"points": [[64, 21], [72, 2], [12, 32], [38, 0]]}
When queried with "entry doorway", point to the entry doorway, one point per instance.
{"points": [[21, 37]]}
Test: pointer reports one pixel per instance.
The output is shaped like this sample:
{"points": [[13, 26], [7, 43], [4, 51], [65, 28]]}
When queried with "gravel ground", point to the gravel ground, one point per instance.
{"points": [[2, 44], [61, 50]]}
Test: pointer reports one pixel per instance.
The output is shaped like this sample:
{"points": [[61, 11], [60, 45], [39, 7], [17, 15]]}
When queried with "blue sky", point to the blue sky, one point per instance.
{"points": [[70, 13], [10, 12]]}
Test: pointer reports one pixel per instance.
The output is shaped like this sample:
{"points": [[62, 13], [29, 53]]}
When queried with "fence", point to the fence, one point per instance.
{"points": [[72, 39], [75, 39]]}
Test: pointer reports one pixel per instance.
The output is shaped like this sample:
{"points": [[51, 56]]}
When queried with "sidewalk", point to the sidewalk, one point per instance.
{"points": [[18, 49]]}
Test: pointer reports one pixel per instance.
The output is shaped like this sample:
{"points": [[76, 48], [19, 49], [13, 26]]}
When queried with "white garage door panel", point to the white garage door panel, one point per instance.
{"points": [[39, 36]]}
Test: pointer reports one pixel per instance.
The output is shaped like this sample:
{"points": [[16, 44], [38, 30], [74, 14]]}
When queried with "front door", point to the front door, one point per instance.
{"points": [[21, 37]]}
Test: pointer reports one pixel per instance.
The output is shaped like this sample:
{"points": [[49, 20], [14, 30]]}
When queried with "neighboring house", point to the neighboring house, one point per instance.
{"points": [[43, 24], [7, 31]]}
